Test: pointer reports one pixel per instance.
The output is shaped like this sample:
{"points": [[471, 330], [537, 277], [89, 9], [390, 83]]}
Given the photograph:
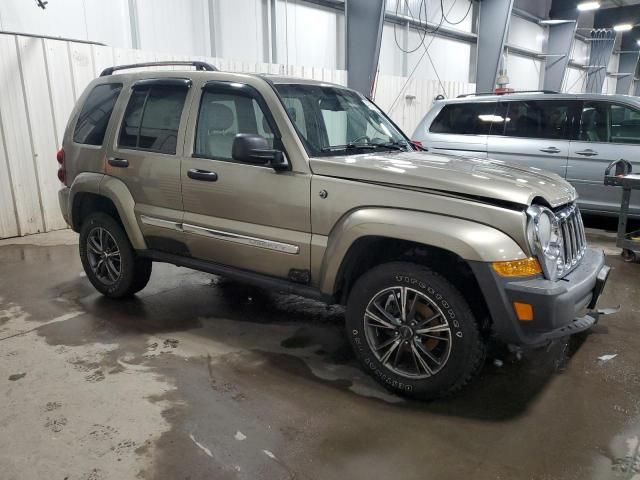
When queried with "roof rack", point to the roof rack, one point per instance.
{"points": [[203, 66], [479, 94]]}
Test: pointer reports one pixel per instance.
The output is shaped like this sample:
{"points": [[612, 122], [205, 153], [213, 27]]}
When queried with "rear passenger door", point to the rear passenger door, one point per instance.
{"points": [[146, 156], [461, 129], [607, 132], [533, 133]]}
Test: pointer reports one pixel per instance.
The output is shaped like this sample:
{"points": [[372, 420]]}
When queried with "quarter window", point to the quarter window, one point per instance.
{"points": [[607, 122], [152, 118], [465, 119], [224, 114], [95, 114]]}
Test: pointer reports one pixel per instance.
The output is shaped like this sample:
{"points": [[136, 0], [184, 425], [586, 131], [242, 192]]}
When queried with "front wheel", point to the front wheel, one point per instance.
{"points": [[109, 260], [413, 331]]}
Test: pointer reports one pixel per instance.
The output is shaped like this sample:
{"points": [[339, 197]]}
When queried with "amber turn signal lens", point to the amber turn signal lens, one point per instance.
{"points": [[524, 311], [517, 268]]}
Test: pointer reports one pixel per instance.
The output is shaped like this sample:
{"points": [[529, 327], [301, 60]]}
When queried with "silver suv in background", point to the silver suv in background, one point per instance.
{"points": [[575, 136]]}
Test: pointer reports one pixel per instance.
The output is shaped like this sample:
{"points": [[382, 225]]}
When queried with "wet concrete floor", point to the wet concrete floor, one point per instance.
{"points": [[200, 378]]}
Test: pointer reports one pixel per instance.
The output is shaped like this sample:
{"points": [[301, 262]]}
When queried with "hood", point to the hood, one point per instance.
{"points": [[471, 177]]}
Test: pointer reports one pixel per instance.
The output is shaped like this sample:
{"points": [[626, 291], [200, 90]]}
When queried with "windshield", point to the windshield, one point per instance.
{"points": [[330, 120]]}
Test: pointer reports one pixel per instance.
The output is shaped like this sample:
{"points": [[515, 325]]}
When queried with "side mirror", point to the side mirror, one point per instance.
{"points": [[254, 149]]}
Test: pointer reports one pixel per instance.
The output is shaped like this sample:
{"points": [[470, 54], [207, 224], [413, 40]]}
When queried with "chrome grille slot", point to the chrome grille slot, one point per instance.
{"points": [[573, 237]]}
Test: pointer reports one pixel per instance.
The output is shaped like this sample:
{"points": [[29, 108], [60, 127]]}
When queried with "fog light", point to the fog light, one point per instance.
{"points": [[524, 311], [517, 268]]}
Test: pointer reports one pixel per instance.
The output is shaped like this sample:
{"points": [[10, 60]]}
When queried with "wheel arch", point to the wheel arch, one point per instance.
{"points": [[93, 192]]}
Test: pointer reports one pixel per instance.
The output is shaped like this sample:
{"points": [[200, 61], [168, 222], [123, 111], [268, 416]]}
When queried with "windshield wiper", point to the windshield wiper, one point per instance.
{"points": [[393, 146], [349, 146]]}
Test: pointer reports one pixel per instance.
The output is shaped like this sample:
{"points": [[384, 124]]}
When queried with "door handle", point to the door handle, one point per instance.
{"points": [[203, 175], [587, 153], [550, 150], [118, 162]]}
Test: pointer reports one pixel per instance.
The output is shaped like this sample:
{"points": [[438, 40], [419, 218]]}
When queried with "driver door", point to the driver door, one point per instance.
{"points": [[238, 214]]}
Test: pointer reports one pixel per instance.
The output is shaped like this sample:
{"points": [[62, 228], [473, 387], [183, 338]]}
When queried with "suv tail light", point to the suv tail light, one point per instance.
{"points": [[62, 173]]}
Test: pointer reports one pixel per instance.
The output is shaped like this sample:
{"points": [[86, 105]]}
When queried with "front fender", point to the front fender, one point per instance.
{"points": [[469, 240]]}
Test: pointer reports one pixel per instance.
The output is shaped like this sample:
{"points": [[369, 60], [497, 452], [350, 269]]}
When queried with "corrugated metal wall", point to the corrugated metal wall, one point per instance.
{"points": [[40, 80]]}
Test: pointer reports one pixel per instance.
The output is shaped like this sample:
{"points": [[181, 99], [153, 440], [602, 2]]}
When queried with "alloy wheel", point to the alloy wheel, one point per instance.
{"points": [[408, 333], [104, 256]]}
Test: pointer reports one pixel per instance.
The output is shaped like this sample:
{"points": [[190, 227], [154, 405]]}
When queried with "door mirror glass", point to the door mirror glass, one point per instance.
{"points": [[255, 149]]}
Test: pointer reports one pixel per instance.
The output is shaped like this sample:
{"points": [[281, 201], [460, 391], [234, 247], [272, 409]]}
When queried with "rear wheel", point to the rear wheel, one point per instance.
{"points": [[413, 331], [109, 260]]}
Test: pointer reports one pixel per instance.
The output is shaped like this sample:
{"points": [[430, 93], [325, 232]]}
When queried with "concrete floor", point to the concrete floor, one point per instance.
{"points": [[200, 378]]}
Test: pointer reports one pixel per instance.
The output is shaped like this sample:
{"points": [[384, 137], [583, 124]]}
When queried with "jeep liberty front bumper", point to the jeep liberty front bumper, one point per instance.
{"points": [[560, 308]]}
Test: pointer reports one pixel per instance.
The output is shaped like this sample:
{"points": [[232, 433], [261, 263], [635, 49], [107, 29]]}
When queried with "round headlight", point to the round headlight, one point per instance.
{"points": [[543, 232]]}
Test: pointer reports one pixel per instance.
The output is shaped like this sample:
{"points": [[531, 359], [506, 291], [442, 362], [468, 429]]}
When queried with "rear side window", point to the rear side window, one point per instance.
{"points": [[465, 119], [535, 119], [607, 122], [152, 118], [95, 114]]}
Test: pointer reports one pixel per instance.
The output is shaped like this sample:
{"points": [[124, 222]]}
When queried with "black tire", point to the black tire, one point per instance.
{"points": [[459, 362], [133, 273]]}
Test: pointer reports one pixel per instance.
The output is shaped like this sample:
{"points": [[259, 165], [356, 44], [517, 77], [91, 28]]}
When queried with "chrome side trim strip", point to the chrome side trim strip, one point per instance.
{"points": [[158, 222], [243, 239]]}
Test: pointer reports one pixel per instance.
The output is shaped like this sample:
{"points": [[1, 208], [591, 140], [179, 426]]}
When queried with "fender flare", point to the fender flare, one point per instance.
{"points": [[115, 190], [469, 240]]}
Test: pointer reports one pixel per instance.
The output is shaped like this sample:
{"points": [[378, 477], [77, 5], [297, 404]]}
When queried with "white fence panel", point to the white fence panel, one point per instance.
{"points": [[41, 128], [15, 128]]}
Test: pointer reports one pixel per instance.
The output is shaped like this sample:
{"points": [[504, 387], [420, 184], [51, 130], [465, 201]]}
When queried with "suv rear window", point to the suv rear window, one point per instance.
{"points": [[152, 118], [95, 114], [465, 118]]}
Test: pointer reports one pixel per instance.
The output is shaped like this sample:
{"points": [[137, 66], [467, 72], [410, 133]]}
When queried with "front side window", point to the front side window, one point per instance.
{"points": [[536, 119], [95, 114], [224, 113], [607, 122], [332, 119], [152, 118], [466, 119]]}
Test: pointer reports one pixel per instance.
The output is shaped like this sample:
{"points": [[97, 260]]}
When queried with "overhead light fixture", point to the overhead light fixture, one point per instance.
{"points": [[623, 27], [585, 6], [638, 42], [555, 22]]}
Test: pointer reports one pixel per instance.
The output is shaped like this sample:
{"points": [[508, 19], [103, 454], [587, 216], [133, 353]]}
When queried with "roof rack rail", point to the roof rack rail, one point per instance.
{"points": [[203, 66], [479, 94]]}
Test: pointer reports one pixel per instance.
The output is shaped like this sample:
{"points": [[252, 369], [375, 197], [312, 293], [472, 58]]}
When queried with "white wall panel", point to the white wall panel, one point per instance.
{"points": [[308, 35], [390, 55], [41, 128], [15, 128], [610, 83], [60, 84], [450, 58], [580, 52], [526, 34], [95, 20], [82, 69], [523, 72], [176, 27], [240, 30]]}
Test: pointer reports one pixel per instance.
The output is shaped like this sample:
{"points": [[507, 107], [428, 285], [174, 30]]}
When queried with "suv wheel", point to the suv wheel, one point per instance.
{"points": [[109, 260], [413, 331]]}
